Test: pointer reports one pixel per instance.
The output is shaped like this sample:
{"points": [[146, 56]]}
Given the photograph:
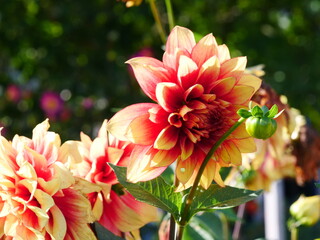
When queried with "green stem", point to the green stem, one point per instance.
{"points": [[157, 19], [170, 14], [185, 212], [224, 222], [180, 232], [294, 233]]}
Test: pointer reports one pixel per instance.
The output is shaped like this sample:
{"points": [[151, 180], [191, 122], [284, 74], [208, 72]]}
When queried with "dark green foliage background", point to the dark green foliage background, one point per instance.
{"points": [[82, 46]]}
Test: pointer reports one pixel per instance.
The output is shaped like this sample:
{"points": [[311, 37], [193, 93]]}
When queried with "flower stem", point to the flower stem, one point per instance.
{"points": [[185, 212], [294, 233], [170, 14], [157, 19]]}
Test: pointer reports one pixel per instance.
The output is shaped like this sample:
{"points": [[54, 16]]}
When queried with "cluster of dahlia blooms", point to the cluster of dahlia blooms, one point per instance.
{"points": [[54, 191], [50, 190]]}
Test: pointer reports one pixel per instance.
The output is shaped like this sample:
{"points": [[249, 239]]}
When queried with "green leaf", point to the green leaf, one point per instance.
{"points": [[244, 113], [104, 234], [216, 197], [273, 111], [156, 192], [265, 110], [208, 226], [256, 111], [317, 185]]}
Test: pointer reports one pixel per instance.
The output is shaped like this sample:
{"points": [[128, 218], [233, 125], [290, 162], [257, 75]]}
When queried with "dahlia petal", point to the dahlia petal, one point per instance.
{"points": [[186, 168], [71, 152], [246, 145], [239, 94], [119, 123], [233, 67], [142, 131], [57, 226], [169, 96], [223, 86], [149, 72], [167, 138], [103, 132], [204, 49], [139, 167], [211, 173], [127, 214], [233, 151], [186, 148], [180, 37], [86, 140], [158, 114], [77, 211], [223, 53], [240, 132], [208, 174], [27, 171], [164, 158], [171, 62], [98, 148], [8, 154], [250, 80], [194, 91], [209, 73], [187, 72]]}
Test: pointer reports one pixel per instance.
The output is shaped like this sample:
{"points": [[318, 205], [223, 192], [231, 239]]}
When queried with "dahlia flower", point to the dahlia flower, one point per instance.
{"points": [[198, 89], [37, 198], [113, 206]]}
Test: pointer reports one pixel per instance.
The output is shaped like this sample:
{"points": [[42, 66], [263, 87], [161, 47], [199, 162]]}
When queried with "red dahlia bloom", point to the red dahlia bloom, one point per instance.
{"points": [[198, 89]]}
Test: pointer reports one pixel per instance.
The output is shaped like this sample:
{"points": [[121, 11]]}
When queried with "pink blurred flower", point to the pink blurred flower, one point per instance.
{"points": [[116, 209], [87, 103], [13, 93], [52, 104], [38, 198]]}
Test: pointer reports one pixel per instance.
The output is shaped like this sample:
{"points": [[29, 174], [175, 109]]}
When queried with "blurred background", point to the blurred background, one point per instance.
{"points": [[65, 60]]}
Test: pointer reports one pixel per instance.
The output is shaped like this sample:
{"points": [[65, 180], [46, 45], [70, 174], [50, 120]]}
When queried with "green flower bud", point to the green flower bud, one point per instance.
{"points": [[306, 210], [261, 127]]}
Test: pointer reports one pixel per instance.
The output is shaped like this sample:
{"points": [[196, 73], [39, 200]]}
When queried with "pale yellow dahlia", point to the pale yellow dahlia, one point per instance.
{"points": [[38, 200]]}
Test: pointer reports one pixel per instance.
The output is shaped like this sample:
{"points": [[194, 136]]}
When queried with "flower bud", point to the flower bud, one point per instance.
{"points": [[261, 127], [306, 210]]}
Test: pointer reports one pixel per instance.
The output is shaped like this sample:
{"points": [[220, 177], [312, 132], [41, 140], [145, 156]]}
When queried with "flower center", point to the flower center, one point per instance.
{"points": [[205, 117]]}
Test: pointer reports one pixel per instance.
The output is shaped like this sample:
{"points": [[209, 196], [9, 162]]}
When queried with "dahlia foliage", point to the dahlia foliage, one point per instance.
{"points": [[197, 89]]}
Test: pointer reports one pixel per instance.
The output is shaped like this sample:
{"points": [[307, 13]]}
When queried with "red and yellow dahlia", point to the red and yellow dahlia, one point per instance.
{"points": [[113, 206], [198, 89], [38, 200]]}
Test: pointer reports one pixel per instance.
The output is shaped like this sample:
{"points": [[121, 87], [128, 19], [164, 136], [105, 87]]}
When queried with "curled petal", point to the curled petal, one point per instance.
{"points": [[169, 96], [142, 131], [167, 138], [120, 122], [149, 72], [164, 158]]}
